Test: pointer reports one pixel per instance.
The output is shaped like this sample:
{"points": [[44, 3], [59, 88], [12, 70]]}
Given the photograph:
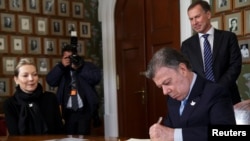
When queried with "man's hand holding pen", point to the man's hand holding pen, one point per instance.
{"points": [[158, 132]]}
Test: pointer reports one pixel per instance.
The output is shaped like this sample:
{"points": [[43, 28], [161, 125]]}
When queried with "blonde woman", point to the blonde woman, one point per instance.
{"points": [[31, 110]]}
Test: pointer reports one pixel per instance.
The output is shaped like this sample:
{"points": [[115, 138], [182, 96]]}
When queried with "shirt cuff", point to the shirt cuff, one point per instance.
{"points": [[178, 134]]}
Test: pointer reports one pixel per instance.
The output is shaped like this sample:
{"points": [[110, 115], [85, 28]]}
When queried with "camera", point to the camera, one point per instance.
{"points": [[75, 58]]}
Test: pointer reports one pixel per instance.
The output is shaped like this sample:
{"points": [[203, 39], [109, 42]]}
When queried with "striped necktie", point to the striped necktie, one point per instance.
{"points": [[74, 91], [208, 59]]}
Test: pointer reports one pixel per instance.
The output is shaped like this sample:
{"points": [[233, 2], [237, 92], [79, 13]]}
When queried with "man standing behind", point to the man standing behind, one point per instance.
{"points": [[76, 81], [226, 57]]}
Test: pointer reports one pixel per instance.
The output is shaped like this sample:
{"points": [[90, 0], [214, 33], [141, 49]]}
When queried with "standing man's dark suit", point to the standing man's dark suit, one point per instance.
{"points": [[207, 103], [227, 59]]}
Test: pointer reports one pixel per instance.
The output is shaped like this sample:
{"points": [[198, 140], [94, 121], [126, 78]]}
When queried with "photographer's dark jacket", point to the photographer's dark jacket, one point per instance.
{"points": [[88, 76]]}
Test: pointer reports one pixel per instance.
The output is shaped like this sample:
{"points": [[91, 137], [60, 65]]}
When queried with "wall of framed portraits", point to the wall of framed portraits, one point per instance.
{"points": [[38, 29], [234, 16]]}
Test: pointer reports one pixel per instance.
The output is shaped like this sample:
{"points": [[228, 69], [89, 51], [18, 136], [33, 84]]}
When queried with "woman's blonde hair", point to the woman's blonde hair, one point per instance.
{"points": [[22, 62]]}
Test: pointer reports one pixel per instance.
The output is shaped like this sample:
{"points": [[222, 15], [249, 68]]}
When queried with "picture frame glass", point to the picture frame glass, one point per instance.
{"points": [[4, 87], [18, 45], [3, 44], [233, 23], [9, 64], [49, 7], [34, 45], [8, 22]]}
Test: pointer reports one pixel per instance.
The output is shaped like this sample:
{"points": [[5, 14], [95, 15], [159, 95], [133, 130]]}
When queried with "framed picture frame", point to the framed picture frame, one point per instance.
{"points": [[25, 24], [234, 23], [55, 61], [56, 27], [63, 8], [244, 82], [17, 44], [49, 7], [4, 87], [8, 22], [217, 22], [62, 44], [2, 4], [244, 45], [222, 5], [34, 45], [247, 21], [9, 64], [50, 46], [16, 5], [3, 44], [33, 6], [41, 25], [241, 3], [85, 29], [77, 9], [81, 48], [70, 26], [43, 65]]}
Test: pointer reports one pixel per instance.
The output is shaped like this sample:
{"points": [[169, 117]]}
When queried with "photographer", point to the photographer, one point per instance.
{"points": [[76, 80]]}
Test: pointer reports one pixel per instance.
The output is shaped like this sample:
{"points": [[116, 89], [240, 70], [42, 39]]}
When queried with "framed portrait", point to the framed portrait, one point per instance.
{"points": [[4, 87], [244, 45], [81, 48], [25, 24], [70, 26], [77, 9], [32, 6], [241, 3], [234, 23], [34, 45], [247, 21], [17, 44], [55, 61], [50, 46], [3, 44], [56, 27], [85, 29], [43, 65], [2, 4], [63, 8], [9, 64], [8, 22], [217, 22], [41, 25], [244, 82], [49, 7], [16, 5], [222, 5], [62, 44]]}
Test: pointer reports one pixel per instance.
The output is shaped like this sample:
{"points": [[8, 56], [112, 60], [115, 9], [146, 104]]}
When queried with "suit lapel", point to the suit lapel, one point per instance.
{"points": [[216, 46], [194, 98]]}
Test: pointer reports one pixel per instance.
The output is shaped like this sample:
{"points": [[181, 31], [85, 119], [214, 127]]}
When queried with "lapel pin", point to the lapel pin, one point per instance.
{"points": [[192, 103]]}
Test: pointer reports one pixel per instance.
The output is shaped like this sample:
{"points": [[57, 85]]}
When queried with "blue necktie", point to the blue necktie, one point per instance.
{"points": [[183, 103], [208, 59]]}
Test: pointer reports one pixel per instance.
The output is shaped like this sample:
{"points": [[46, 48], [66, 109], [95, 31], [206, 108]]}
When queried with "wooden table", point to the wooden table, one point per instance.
{"points": [[51, 137]]}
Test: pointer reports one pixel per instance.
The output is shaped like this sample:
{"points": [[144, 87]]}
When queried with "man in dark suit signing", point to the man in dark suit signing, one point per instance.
{"points": [[226, 56], [193, 103]]}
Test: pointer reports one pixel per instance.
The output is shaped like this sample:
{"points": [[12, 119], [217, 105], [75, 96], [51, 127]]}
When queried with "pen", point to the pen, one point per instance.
{"points": [[159, 120]]}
